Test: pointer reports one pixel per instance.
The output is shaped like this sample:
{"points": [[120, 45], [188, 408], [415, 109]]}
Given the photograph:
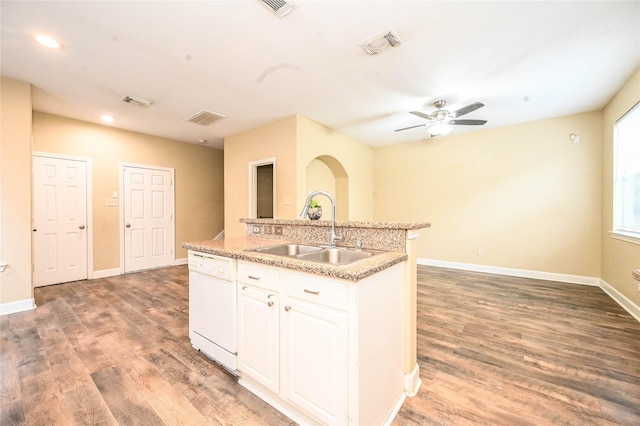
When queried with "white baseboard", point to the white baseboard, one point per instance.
{"points": [[106, 273], [412, 382], [524, 273], [621, 299], [182, 261], [17, 306]]}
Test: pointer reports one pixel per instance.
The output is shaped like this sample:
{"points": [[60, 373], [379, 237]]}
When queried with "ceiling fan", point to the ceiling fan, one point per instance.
{"points": [[442, 120]]}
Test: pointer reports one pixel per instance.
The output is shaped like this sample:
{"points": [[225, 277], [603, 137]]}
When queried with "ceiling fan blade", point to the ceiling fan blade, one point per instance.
{"points": [[411, 127], [467, 109], [468, 122], [423, 115]]}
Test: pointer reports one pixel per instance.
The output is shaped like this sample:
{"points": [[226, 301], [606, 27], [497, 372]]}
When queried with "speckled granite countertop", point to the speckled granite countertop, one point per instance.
{"points": [[236, 248], [636, 274], [342, 224]]}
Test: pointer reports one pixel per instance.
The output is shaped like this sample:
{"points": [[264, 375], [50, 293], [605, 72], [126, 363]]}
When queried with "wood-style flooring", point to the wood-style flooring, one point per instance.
{"points": [[493, 350]]}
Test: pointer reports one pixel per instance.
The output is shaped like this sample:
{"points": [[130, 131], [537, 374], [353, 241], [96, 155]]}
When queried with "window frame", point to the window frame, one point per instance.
{"points": [[618, 231]]}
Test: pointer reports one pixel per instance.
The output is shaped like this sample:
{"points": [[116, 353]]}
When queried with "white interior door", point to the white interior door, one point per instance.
{"points": [[148, 217], [59, 220]]}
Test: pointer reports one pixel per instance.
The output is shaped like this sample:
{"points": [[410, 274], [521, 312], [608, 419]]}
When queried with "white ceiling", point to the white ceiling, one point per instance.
{"points": [[524, 60]]}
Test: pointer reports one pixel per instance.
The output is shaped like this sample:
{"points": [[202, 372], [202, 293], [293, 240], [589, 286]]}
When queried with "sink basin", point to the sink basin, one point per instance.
{"points": [[335, 256], [288, 249]]}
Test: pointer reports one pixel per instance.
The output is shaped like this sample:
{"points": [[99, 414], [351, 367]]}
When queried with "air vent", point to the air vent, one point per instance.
{"points": [[137, 101], [380, 42], [281, 8], [205, 118]]}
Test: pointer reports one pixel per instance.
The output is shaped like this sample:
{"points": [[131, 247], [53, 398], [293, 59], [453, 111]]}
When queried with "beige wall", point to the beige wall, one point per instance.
{"points": [[15, 190], [275, 140], [619, 258], [295, 142], [198, 178], [524, 194]]}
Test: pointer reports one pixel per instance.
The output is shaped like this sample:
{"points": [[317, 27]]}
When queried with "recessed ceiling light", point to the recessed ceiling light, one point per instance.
{"points": [[47, 41], [107, 118]]}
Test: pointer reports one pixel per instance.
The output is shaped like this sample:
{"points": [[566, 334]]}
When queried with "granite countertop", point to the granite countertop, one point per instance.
{"points": [[341, 224], [236, 248], [636, 274]]}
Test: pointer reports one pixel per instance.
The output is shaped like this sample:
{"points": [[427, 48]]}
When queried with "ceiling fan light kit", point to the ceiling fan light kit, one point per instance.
{"points": [[443, 120], [440, 129]]}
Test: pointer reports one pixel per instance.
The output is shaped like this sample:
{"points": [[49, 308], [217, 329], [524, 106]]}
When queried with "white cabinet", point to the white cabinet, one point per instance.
{"points": [[322, 350], [259, 325], [259, 340], [314, 349]]}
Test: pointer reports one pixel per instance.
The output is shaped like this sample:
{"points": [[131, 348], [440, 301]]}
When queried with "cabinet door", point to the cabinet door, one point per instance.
{"points": [[314, 351], [259, 336]]}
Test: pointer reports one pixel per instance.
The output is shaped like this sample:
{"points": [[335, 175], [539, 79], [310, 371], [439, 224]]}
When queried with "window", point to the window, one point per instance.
{"points": [[626, 176]]}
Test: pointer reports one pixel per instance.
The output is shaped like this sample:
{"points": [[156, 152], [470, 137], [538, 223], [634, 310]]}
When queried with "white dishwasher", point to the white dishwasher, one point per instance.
{"points": [[213, 307]]}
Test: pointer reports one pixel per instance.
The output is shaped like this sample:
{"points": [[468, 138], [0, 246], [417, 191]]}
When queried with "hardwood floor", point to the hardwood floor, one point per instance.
{"points": [[492, 350], [499, 350]]}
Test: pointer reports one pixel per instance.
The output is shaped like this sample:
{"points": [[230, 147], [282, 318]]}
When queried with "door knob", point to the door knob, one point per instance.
{"points": [[81, 226], [128, 225]]}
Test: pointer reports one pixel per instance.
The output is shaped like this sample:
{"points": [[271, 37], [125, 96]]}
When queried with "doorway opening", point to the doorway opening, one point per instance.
{"points": [[262, 189]]}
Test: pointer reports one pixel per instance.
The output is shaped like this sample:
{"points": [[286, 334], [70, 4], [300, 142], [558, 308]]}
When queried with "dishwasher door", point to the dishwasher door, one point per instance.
{"points": [[213, 308]]}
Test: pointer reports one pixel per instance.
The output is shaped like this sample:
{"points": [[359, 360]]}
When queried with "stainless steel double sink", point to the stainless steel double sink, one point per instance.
{"points": [[311, 253]]}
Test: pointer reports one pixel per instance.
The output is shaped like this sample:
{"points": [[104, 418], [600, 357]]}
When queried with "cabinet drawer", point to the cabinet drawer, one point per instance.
{"points": [[322, 291], [259, 276]]}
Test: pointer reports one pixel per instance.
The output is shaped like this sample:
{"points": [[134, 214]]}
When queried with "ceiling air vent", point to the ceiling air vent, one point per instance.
{"points": [[280, 7], [380, 42], [205, 118], [137, 101]]}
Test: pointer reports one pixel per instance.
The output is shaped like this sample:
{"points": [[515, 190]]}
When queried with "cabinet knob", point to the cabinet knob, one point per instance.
{"points": [[269, 303], [287, 308]]}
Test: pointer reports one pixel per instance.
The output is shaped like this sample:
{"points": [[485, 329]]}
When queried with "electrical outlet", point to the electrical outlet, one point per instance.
{"points": [[277, 230], [480, 252], [256, 229], [267, 230]]}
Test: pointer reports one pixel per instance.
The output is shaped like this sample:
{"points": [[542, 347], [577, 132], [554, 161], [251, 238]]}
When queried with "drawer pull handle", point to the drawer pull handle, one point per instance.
{"points": [[306, 290], [251, 277], [244, 287], [287, 308]]}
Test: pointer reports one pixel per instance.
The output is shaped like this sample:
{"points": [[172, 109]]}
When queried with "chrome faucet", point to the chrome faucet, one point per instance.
{"points": [[334, 237]]}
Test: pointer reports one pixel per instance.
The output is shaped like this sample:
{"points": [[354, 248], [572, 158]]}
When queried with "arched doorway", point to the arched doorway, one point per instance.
{"points": [[326, 173]]}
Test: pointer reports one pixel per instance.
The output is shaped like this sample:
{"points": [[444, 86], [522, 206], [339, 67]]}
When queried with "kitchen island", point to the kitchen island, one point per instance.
{"points": [[325, 343]]}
